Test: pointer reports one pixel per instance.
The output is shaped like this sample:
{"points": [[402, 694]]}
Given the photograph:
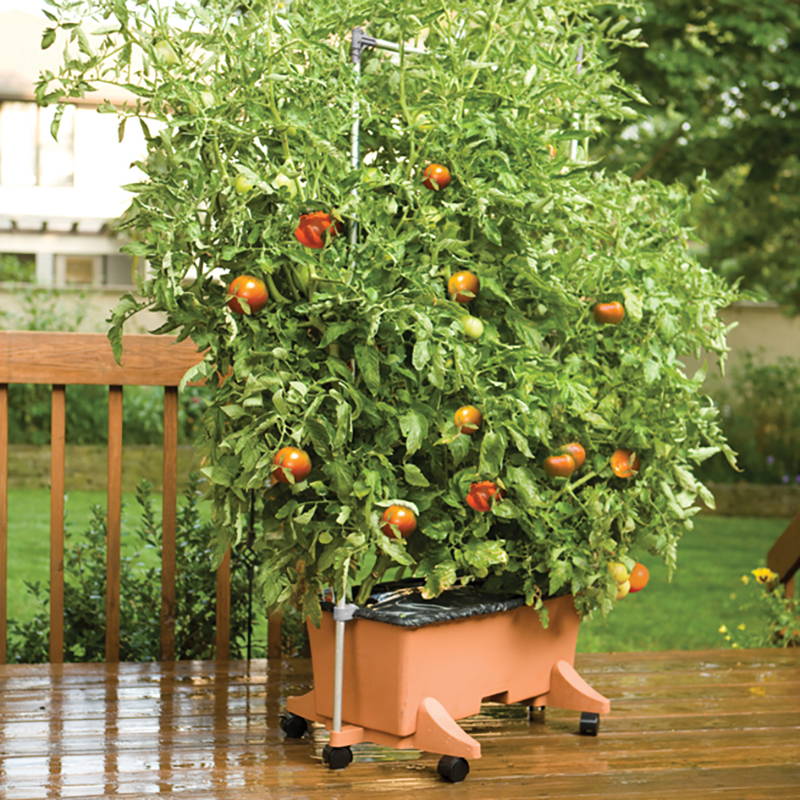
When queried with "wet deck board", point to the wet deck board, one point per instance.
{"points": [[712, 724]]}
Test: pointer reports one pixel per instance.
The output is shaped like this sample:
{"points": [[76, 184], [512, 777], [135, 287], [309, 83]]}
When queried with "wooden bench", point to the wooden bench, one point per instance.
{"points": [[61, 359]]}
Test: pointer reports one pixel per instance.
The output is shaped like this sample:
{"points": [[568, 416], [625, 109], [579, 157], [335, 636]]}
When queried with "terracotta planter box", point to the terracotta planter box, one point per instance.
{"points": [[406, 687]]}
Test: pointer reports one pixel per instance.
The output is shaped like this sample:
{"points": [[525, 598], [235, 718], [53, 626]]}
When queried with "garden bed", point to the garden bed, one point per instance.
{"points": [[754, 500]]}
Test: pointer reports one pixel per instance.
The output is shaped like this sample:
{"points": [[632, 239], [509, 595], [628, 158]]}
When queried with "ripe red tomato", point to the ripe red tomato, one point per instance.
{"points": [[251, 289], [560, 466], [398, 519], [480, 494], [313, 228], [624, 463], [640, 575], [463, 286], [609, 313], [468, 419], [291, 460], [436, 176], [575, 449]]}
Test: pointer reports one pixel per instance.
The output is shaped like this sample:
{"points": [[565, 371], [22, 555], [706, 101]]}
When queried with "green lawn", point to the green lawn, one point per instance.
{"points": [[682, 614]]}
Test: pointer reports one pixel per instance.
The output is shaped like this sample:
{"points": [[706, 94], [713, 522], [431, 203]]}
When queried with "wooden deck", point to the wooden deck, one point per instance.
{"points": [[713, 724]]}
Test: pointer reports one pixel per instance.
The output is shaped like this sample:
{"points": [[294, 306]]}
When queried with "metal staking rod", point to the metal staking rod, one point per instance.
{"points": [[338, 668], [359, 41], [573, 145]]}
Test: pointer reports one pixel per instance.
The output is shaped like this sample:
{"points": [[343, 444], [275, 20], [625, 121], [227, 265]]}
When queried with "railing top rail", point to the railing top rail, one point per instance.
{"points": [[86, 358]]}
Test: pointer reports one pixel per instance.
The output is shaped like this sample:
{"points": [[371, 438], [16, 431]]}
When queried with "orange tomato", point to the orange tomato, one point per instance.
{"points": [[463, 286], [291, 461], [480, 494], [624, 463], [436, 176], [398, 519], [576, 450], [468, 419], [609, 313], [640, 575], [560, 466], [247, 287], [314, 228]]}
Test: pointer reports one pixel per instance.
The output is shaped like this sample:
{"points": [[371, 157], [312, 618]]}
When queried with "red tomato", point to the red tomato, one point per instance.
{"points": [[436, 176], [640, 575], [480, 494], [291, 460], [624, 463], [609, 313], [575, 449], [398, 519], [468, 419], [313, 228], [463, 286], [560, 466], [251, 289]]}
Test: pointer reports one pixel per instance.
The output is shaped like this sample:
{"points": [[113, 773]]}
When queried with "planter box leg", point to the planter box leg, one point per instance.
{"points": [[568, 690], [438, 732]]}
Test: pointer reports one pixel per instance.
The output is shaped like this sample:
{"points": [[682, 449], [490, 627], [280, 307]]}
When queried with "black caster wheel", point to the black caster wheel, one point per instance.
{"points": [[453, 769], [336, 757], [293, 726], [590, 724]]}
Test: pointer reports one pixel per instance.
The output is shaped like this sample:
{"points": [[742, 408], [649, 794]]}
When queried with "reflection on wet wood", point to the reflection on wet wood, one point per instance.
{"points": [[716, 724]]}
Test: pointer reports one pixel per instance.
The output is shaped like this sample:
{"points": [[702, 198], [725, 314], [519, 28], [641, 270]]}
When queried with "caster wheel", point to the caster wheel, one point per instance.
{"points": [[590, 724], [293, 726], [453, 769], [336, 757]]}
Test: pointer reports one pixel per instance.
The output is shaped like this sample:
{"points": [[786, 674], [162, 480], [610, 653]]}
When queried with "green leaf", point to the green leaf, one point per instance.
{"points": [[48, 37], [414, 426], [493, 449], [369, 365], [413, 476]]}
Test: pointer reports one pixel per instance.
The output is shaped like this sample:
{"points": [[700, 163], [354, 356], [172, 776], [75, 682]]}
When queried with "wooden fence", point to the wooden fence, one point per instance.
{"points": [[61, 359]]}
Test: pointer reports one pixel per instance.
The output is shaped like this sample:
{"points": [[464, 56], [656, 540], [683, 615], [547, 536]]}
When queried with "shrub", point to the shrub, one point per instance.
{"points": [[761, 418], [84, 591]]}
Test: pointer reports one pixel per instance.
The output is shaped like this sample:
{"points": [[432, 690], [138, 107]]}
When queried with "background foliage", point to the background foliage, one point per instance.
{"points": [[722, 80], [84, 591], [360, 356]]}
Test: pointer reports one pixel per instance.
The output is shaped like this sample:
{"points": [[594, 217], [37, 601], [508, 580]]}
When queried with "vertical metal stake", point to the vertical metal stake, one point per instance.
{"points": [[338, 667], [573, 145]]}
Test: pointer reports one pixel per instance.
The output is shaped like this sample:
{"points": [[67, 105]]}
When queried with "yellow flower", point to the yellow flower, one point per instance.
{"points": [[723, 629], [741, 626], [734, 645], [764, 575], [745, 579]]}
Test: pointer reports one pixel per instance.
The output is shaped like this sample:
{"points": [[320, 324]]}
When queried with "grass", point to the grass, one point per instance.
{"points": [[705, 592], [684, 614]]}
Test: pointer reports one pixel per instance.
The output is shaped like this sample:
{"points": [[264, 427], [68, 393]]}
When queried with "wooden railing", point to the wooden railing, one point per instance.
{"points": [[61, 359], [784, 556]]}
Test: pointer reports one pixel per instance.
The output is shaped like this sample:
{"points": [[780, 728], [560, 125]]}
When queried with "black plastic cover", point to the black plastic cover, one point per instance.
{"points": [[403, 605]]}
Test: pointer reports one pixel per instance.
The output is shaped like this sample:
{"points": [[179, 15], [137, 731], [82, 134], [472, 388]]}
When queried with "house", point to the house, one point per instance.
{"points": [[58, 198]]}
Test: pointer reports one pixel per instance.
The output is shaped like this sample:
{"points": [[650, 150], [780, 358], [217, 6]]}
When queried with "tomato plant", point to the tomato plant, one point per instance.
{"points": [[366, 352], [400, 520], [249, 288]]}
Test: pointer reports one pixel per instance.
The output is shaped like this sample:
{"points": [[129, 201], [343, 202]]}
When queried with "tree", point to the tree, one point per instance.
{"points": [[361, 355], [723, 84]]}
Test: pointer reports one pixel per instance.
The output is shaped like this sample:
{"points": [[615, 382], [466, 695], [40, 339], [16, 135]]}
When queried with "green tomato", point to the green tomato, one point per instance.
{"points": [[473, 327], [165, 53], [207, 98], [283, 181], [243, 184]]}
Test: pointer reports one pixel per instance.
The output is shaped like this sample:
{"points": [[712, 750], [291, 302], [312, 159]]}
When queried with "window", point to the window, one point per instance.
{"points": [[29, 156]]}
